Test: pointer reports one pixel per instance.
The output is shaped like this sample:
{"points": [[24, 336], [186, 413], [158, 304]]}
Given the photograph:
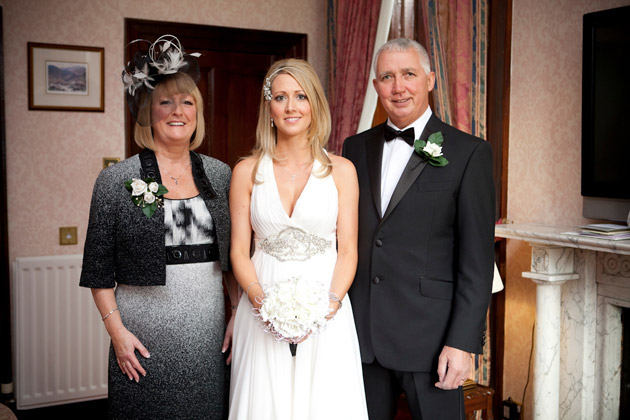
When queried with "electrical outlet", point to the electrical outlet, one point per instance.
{"points": [[68, 235]]}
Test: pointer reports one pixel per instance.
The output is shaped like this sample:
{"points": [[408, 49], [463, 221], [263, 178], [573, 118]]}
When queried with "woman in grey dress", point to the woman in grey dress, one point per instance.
{"points": [[156, 250]]}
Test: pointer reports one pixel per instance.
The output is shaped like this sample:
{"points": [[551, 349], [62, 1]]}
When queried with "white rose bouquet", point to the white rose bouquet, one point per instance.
{"points": [[146, 194], [294, 308]]}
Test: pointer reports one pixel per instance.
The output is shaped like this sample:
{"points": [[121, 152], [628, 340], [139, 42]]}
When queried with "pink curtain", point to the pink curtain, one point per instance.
{"points": [[456, 34], [456, 30], [351, 32]]}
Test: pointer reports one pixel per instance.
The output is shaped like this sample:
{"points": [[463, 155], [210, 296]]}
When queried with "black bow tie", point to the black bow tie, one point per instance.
{"points": [[407, 135]]}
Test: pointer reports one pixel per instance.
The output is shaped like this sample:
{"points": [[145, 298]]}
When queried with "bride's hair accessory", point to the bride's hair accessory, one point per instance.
{"points": [[268, 80], [148, 68]]}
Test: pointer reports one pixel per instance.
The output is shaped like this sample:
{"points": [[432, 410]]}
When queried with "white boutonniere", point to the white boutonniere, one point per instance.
{"points": [[146, 194], [431, 149]]}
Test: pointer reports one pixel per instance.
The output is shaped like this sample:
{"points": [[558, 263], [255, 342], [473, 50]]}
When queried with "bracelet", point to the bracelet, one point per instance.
{"points": [[335, 298], [109, 313], [250, 286]]}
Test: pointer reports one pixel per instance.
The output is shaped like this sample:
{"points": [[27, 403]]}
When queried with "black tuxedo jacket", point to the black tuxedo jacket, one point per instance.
{"points": [[424, 274]]}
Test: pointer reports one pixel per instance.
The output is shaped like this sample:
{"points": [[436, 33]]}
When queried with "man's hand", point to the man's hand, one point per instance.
{"points": [[453, 368]]}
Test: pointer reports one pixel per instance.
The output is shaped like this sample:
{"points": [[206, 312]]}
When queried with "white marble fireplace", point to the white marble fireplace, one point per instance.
{"points": [[582, 284]]}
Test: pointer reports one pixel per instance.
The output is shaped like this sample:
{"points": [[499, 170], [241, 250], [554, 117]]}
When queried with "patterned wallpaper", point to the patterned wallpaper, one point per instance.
{"points": [[544, 154], [54, 157]]}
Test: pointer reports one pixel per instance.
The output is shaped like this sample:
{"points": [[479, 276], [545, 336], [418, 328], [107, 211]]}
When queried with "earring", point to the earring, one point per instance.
{"points": [[271, 122]]}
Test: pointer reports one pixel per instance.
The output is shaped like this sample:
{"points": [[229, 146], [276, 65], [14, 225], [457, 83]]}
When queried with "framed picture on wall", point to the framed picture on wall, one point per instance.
{"points": [[65, 77]]}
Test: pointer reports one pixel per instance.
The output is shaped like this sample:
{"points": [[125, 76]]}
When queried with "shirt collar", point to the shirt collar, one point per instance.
{"points": [[418, 125]]}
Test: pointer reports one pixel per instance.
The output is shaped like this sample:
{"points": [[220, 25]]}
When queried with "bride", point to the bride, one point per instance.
{"points": [[300, 203]]}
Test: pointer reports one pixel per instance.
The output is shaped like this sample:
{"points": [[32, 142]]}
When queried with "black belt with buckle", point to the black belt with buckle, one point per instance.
{"points": [[189, 254]]}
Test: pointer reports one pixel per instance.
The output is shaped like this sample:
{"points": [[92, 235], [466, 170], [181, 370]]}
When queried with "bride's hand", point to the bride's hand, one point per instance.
{"points": [[333, 307], [301, 339]]}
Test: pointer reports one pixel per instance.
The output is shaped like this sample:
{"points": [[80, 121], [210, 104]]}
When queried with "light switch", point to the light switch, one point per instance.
{"points": [[109, 161], [68, 235]]}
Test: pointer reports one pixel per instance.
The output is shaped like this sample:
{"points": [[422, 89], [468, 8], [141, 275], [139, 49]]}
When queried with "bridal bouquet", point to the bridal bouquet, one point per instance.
{"points": [[293, 308]]}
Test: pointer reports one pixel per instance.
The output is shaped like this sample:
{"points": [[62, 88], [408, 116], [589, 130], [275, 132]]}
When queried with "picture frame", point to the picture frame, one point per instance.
{"points": [[66, 77]]}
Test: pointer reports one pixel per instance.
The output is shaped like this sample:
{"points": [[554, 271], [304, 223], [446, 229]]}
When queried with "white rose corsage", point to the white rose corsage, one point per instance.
{"points": [[293, 308], [146, 194], [431, 149]]}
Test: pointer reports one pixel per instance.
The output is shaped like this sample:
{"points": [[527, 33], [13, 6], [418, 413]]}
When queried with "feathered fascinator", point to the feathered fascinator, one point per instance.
{"points": [[148, 68]]}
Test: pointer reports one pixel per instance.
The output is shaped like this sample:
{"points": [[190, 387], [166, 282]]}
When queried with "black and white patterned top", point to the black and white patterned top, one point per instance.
{"points": [[188, 222]]}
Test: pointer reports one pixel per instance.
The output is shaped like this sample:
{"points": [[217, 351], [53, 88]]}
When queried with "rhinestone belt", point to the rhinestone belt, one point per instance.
{"points": [[292, 244]]}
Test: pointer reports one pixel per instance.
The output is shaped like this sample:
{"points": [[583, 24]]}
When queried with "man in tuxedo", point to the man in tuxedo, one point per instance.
{"points": [[426, 245]]}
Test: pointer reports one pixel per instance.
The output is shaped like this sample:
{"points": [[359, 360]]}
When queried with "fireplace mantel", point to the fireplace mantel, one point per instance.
{"points": [[560, 236], [582, 283]]}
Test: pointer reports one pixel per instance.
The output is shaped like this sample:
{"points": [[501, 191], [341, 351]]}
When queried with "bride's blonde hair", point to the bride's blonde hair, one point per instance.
{"points": [[319, 130]]}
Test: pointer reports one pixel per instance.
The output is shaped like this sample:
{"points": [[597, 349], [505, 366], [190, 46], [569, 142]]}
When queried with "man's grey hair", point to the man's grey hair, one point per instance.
{"points": [[405, 44]]}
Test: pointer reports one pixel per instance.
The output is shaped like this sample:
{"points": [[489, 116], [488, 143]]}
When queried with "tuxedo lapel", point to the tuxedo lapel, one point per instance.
{"points": [[374, 155], [412, 171]]}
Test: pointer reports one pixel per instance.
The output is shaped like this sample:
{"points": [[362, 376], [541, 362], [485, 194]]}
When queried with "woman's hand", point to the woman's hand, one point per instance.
{"points": [[301, 339], [125, 344], [227, 340], [234, 294], [333, 307]]}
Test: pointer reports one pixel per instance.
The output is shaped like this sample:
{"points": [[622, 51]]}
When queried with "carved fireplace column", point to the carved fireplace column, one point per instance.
{"points": [[551, 266]]}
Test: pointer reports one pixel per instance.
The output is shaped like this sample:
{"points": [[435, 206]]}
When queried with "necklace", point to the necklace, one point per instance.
{"points": [[176, 178], [301, 168]]}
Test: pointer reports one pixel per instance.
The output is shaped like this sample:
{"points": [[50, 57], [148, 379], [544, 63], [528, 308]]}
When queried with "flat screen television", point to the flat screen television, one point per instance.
{"points": [[606, 115]]}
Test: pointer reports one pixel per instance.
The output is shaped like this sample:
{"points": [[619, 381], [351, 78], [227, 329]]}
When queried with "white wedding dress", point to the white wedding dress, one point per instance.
{"points": [[324, 380]]}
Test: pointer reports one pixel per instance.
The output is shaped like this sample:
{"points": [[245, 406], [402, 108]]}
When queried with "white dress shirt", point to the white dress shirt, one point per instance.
{"points": [[396, 154]]}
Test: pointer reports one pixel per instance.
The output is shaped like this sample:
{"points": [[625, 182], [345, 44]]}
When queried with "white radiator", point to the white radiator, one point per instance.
{"points": [[60, 344]]}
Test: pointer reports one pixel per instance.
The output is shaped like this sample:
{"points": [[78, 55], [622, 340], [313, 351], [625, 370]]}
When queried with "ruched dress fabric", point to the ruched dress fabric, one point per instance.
{"points": [[324, 380], [182, 326]]}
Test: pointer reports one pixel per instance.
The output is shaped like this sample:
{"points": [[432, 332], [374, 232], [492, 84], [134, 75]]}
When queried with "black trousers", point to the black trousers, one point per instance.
{"points": [[383, 386]]}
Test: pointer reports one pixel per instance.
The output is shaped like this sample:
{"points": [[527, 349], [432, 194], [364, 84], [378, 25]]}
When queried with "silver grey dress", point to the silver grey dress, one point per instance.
{"points": [[182, 326]]}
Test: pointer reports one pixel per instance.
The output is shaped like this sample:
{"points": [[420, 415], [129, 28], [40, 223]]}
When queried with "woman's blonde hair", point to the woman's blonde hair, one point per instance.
{"points": [[178, 83], [319, 130]]}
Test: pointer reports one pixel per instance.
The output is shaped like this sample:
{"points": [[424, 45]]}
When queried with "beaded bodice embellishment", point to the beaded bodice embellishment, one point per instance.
{"points": [[293, 244]]}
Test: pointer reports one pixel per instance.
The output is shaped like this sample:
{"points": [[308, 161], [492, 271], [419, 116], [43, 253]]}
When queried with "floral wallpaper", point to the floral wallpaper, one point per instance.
{"points": [[54, 157], [544, 152]]}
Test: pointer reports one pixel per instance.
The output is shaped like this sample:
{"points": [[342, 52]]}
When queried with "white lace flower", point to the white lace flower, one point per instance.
{"points": [[138, 187], [172, 55], [129, 83], [174, 62], [142, 76], [433, 149]]}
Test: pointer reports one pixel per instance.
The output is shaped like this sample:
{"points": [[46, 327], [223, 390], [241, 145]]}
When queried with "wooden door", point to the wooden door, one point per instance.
{"points": [[233, 64]]}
